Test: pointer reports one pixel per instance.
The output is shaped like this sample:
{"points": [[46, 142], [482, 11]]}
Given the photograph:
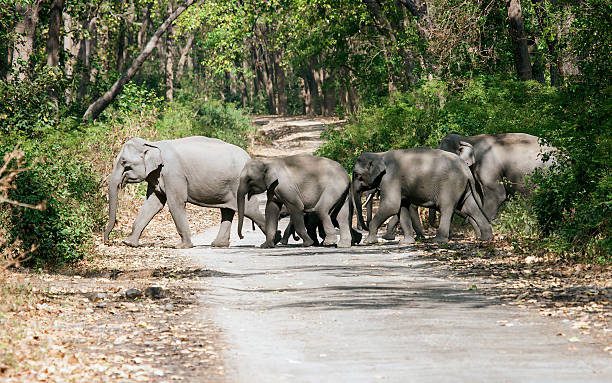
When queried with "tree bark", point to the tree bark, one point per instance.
{"points": [[53, 39], [142, 32], [85, 53], [94, 110], [169, 59], [71, 51], [25, 31], [180, 66], [522, 62], [281, 103]]}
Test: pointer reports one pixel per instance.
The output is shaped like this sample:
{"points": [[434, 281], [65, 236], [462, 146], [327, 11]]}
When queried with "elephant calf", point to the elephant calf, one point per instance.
{"points": [[199, 170], [303, 184], [422, 177]]}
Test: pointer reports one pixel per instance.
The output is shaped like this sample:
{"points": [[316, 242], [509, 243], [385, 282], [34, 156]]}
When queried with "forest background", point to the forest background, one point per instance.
{"points": [[79, 77]]}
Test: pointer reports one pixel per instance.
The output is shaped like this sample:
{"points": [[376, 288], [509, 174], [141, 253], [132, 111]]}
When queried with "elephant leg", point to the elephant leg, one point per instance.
{"points": [[431, 219], [328, 228], [415, 219], [179, 216], [474, 225], [152, 205], [272, 215], [223, 237], [300, 228], [289, 230], [313, 223], [347, 235], [389, 205], [391, 227], [477, 219], [405, 221], [446, 213]]}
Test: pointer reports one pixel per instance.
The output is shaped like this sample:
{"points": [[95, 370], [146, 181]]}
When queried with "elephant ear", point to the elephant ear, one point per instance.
{"points": [[270, 176], [152, 158], [466, 152], [377, 167]]}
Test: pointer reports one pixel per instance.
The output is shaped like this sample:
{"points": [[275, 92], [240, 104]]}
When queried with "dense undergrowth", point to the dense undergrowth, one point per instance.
{"points": [[68, 162], [571, 206]]}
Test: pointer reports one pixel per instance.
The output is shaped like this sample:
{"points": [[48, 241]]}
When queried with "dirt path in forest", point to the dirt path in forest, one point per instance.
{"points": [[422, 313], [461, 312]]}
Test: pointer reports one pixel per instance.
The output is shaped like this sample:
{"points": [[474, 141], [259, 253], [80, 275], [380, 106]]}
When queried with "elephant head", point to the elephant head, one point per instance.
{"points": [[136, 161], [367, 173], [256, 177], [457, 144]]}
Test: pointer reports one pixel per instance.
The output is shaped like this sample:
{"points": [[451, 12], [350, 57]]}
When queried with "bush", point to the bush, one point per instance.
{"points": [[67, 165], [197, 117]]}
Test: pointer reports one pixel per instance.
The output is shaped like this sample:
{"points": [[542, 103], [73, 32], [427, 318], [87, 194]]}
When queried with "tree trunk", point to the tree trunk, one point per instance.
{"points": [[85, 54], [169, 59], [183, 57], [53, 40], [71, 51], [94, 110], [142, 32], [25, 31], [280, 85], [522, 62]]}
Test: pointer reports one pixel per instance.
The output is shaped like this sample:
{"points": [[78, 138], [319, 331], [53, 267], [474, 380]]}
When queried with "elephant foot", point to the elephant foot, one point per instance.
{"points": [[308, 243], [389, 237], [329, 241], [486, 237], [407, 241], [284, 241], [344, 244], [130, 242], [440, 239], [184, 245], [371, 240], [216, 243], [266, 245], [356, 238]]}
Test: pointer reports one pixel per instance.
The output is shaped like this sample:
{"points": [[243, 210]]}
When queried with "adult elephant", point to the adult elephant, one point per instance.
{"points": [[199, 170], [421, 177], [499, 163], [303, 184]]}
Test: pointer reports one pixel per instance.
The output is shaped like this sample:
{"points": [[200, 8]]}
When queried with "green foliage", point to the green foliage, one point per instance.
{"points": [[71, 190], [27, 107], [193, 116]]}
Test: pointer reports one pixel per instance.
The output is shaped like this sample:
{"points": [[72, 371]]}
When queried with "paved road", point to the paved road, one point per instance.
{"points": [[373, 314]]}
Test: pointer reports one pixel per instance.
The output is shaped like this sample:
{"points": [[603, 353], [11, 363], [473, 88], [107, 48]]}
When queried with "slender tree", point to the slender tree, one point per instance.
{"points": [[94, 110]]}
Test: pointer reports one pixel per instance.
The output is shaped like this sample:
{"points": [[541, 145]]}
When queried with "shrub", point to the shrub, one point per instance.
{"points": [[196, 117]]}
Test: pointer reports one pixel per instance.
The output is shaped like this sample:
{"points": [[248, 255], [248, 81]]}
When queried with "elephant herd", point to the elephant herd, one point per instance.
{"points": [[468, 176]]}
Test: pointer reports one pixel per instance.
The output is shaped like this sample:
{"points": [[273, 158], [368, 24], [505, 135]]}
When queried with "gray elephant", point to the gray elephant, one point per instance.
{"points": [[499, 164], [422, 177], [199, 170], [304, 184]]}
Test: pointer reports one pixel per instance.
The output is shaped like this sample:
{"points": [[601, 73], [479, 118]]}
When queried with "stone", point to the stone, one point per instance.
{"points": [[133, 293], [154, 292], [96, 296]]}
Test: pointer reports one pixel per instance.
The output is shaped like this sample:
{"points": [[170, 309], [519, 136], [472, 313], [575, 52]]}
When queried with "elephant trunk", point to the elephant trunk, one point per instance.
{"points": [[113, 190], [242, 191], [356, 196]]}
